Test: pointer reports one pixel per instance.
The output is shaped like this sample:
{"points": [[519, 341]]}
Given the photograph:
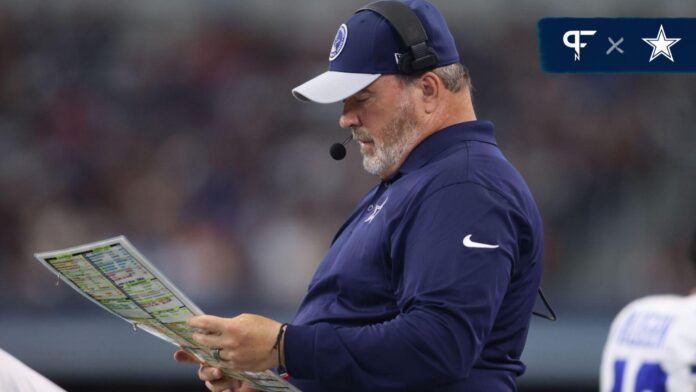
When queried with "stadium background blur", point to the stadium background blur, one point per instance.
{"points": [[171, 122]]}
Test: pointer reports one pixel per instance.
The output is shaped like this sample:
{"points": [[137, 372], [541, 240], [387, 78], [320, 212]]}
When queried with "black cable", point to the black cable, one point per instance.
{"points": [[552, 317]]}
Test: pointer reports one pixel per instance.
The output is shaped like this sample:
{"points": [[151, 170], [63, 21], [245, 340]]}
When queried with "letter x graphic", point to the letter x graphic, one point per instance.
{"points": [[615, 45]]}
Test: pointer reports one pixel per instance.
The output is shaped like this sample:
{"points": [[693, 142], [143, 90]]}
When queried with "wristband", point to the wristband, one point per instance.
{"points": [[280, 339]]}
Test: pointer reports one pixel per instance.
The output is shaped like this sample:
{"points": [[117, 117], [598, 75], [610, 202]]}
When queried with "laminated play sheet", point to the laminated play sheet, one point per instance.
{"points": [[115, 276]]}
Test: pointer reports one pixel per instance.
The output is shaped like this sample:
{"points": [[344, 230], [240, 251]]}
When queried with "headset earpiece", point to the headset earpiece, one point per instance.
{"points": [[426, 59]]}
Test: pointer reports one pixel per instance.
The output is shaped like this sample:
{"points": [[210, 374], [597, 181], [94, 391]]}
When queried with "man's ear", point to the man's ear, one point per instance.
{"points": [[431, 88]]}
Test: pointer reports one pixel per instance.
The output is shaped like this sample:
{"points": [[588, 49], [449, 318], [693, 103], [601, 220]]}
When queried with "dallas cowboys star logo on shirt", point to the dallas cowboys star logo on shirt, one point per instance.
{"points": [[375, 211]]}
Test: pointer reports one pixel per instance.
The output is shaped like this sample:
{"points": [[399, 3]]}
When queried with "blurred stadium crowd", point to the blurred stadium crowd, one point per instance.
{"points": [[184, 137]]}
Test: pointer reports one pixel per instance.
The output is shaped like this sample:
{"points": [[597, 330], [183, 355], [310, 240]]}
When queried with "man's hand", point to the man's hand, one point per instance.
{"points": [[213, 377], [245, 342]]}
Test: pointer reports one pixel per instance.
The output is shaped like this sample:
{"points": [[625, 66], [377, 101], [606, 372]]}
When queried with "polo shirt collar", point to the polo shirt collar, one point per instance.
{"points": [[433, 145]]}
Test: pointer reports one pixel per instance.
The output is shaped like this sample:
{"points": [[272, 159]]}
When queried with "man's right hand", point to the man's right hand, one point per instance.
{"points": [[214, 379]]}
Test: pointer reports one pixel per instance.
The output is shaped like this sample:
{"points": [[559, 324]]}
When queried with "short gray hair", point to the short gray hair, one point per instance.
{"points": [[454, 77]]}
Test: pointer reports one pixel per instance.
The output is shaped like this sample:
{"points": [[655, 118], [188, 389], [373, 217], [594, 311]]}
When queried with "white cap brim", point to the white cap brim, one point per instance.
{"points": [[333, 86]]}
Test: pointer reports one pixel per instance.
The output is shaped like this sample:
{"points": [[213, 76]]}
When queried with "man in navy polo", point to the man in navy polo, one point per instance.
{"points": [[430, 283]]}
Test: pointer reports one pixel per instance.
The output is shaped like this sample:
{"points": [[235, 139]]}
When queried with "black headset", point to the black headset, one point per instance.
{"points": [[420, 56]]}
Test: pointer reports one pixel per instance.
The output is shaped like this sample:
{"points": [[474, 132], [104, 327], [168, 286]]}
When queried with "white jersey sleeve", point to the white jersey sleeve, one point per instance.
{"points": [[18, 377], [651, 347]]}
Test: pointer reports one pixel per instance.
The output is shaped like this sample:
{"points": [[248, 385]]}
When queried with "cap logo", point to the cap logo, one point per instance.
{"points": [[339, 42]]}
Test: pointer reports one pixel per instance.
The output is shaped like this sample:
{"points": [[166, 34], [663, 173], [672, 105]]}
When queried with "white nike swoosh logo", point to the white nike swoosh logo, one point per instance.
{"points": [[471, 244]]}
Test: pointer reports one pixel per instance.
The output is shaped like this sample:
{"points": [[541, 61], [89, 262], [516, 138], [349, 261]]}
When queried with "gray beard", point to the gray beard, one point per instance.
{"points": [[398, 137]]}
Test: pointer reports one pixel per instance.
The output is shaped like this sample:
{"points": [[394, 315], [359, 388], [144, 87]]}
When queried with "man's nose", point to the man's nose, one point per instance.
{"points": [[349, 118]]}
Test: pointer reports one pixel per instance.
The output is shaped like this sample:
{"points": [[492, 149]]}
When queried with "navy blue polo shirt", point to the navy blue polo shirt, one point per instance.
{"points": [[430, 284]]}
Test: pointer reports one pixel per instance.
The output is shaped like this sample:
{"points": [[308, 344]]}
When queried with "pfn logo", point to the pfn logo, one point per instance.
{"points": [[576, 43]]}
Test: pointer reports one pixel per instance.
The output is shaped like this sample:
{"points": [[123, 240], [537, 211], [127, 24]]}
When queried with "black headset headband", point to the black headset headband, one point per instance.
{"points": [[406, 23]]}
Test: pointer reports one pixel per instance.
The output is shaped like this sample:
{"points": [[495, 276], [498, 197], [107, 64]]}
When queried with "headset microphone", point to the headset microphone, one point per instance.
{"points": [[338, 150]]}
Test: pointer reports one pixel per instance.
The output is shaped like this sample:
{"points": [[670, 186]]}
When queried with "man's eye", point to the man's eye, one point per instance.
{"points": [[361, 99]]}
